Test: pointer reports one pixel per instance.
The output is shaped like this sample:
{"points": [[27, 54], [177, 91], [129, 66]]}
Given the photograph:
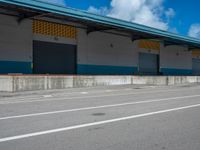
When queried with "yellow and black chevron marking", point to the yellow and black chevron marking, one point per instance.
{"points": [[53, 29], [147, 44], [196, 53]]}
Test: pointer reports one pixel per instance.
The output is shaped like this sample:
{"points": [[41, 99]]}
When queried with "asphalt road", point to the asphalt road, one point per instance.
{"points": [[102, 118]]}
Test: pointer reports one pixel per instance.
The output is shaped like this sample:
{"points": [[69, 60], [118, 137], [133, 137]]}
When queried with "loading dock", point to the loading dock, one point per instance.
{"points": [[59, 40], [196, 66], [148, 64], [53, 58]]}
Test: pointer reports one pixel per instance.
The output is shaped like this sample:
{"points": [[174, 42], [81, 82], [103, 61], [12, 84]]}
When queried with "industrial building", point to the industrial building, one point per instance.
{"points": [[42, 38]]}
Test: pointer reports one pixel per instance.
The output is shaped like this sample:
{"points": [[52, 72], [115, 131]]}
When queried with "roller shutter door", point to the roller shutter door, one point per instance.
{"points": [[53, 58], [196, 66], [148, 64]]}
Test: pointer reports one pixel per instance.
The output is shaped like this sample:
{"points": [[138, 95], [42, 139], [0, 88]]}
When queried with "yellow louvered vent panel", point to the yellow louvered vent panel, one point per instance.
{"points": [[53, 29], [147, 44], [196, 52]]}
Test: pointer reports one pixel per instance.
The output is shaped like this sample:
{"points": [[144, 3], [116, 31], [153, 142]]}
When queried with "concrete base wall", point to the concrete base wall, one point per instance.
{"points": [[15, 83], [6, 83]]}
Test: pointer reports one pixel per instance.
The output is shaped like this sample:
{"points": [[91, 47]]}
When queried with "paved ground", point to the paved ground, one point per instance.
{"points": [[103, 118]]}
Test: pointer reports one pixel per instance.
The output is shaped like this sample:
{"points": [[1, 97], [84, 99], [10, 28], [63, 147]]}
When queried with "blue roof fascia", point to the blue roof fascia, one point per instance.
{"points": [[44, 6]]}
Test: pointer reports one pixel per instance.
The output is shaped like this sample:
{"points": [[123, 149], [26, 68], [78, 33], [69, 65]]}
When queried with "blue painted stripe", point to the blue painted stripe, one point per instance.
{"points": [[105, 70], [170, 71], [15, 67]]}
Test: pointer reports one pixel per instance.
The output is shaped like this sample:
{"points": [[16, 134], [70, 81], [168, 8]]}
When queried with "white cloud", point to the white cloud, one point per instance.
{"points": [[194, 31], [146, 12], [173, 30], [100, 11], [170, 13]]}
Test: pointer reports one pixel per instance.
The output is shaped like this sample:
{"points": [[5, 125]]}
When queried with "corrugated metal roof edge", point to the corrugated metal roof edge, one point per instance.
{"points": [[79, 14]]}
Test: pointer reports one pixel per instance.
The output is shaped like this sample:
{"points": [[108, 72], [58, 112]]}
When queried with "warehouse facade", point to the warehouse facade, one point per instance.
{"points": [[41, 38]]}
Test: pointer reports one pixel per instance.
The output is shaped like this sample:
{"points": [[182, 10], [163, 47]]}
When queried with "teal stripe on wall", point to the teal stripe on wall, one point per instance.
{"points": [[170, 71], [105, 70], [15, 67]]}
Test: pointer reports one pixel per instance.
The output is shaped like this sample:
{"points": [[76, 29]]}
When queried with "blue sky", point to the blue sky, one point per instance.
{"points": [[177, 16], [186, 14]]}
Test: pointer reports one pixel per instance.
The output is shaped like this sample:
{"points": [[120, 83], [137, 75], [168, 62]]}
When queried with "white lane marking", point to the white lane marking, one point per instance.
{"points": [[84, 97], [61, 94], [96, 107], [151, 86], [47, 96], [17, 137], [109, 90], [84, 92], [66, 94]]}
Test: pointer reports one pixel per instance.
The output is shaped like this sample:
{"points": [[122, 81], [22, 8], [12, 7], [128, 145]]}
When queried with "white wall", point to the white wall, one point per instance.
{"points": [[175, 60], [175, 57], [15, 39], [15, 45], [93, 49], [96, 49]]}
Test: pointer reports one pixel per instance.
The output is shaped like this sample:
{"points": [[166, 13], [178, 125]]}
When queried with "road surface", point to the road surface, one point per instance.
{"points": [[102, 118]]}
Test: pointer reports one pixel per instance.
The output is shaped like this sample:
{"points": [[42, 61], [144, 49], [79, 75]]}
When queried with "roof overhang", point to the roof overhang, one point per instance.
{"points": [[32, 8]]}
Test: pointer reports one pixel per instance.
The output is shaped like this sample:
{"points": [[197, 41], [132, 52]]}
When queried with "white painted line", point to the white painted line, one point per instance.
{"points": [[66, 94], [47, 96], [151, 86], [84, 97], [61, 94], [34, 134], [96, 107], [84, 92], [109, 90]]}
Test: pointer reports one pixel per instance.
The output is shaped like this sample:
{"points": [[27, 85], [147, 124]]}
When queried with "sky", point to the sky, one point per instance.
{"points": [[178, 16]]}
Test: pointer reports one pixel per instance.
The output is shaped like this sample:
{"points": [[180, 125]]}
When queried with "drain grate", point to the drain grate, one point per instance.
{"points": [[98, 114], [137, 88]]}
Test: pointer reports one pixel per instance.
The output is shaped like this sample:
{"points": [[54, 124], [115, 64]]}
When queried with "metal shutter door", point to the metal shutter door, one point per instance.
{"points": [[148, 64], [53, 58], [196, 66]]}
